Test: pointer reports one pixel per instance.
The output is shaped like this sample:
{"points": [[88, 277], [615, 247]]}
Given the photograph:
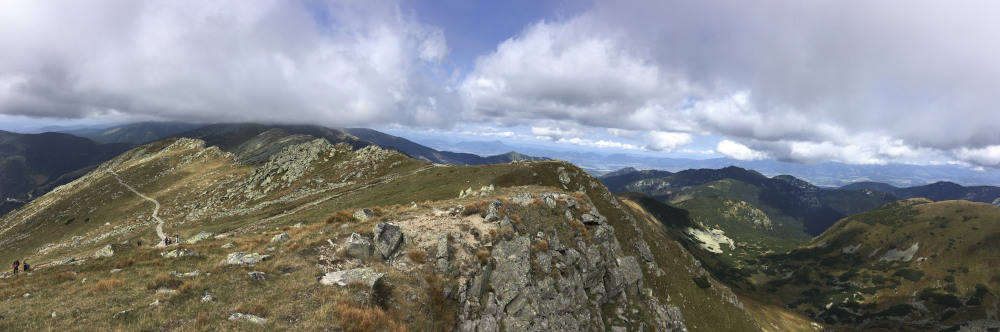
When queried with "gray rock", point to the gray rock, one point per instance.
{"points": [[194, 273], [442, 254], [228, 245], [644, 250], [201, 236], [245, 258], [115, 270], [208, 298], [544, 261], [365, 276], [589, 219], [387, 239], [364, 214], [493, 211], [299, 224], [280, 237], [107, 251], [510, 275], [488, 324], [550, 200], [178, 253], [358, 247], [240, 317], [26, 295], [523, 199], [631, 273], [479, 283], [258, 276]]}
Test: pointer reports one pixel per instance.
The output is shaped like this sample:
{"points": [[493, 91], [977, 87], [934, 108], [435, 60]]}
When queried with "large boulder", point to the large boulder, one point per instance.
{"points": [[365, 276], [243, 258], [631, 273], [201, 236], [358, 247], [387, 239], [178, 253]]}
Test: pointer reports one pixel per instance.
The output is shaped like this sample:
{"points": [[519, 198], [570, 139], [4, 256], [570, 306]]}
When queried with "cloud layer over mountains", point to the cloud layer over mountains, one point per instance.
{"points": [[853, 81]]}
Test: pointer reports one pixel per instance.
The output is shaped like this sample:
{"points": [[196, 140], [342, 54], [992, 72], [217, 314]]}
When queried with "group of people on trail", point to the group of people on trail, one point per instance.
{"points": [[177, 239], [25, 265]]}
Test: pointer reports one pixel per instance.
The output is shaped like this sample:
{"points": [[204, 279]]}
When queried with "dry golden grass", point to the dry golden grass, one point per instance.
{"points": [[124, 263], [416, 255], [109, 284], [483, 256], [359, 318], [256, 308], [540, 245], [477, 207], [340, 216]]}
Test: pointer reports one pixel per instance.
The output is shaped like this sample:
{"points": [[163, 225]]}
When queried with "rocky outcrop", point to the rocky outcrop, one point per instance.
{"points": [[387, 239], [106, 251], [365, 276], [242, 258]]}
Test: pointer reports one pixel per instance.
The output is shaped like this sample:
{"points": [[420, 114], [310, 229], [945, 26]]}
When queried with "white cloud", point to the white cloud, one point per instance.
{"points": [[738, 151], [988, 156], [336, 63], [665, 141]]}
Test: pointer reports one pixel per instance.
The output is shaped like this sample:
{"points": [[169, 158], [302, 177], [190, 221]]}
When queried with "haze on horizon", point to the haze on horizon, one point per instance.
{"points": [[859, 82]]}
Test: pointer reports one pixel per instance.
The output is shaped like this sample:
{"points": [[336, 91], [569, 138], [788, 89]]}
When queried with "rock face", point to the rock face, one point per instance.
{"points": [[245, 258], [358, 247], [280, 237], [178, 253], [387, 239], [365, 276], [202, 236]]}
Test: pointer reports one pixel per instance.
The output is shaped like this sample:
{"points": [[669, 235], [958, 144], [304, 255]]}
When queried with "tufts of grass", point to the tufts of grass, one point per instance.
{"points": [[483, 256], [108, 285], [124, 263], [164, 281], [355, 317], [477, 207], [256, 308], [416, 255], [540, 245], [340, 217]]}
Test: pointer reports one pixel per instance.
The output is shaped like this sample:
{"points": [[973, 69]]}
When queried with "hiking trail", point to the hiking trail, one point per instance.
{"points": [[156, 209]]}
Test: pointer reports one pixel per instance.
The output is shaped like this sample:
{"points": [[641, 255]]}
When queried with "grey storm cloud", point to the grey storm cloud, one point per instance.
{"points": [[855, 81], [337, 63]]}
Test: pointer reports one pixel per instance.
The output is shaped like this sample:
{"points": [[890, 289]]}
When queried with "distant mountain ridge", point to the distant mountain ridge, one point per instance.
{"points": [[33, 164], [421, 152], [938, 191]]}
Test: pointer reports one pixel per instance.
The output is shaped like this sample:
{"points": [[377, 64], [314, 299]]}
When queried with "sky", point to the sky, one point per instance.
{"points": [[860, 82]]}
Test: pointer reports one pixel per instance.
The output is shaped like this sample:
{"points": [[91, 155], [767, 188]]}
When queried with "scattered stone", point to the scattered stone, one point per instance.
{"points": [[365, 276], [67, 261], [493, 211], [201, 236], [121, 313], [194, 273], [387, 238], [364, 214], [155, 303], [523, 199], [115, 270], [258, 276], [248, 318], [589, 219], [280, 237], [299, 224], [644, 250], [178, 253], [358, 247], [53, 314], [83, 281], [228, 245], [207, 298], [165, 291], [245, 258], [27, 295], [270, 249], [550, 200], [107, 251]]}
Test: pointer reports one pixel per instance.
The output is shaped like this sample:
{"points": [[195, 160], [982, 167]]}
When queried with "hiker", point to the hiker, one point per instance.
{"points": [[25, 265], [177, 237], [138, 243], [166, 241], [16, 264]]}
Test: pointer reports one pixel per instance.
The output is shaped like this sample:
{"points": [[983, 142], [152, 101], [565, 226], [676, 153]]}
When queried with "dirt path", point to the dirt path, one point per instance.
{"points": [[156, 209]]}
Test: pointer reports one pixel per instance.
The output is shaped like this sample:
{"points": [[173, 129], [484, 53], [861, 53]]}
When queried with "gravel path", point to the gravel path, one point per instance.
{"points": [[156, 208]]}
